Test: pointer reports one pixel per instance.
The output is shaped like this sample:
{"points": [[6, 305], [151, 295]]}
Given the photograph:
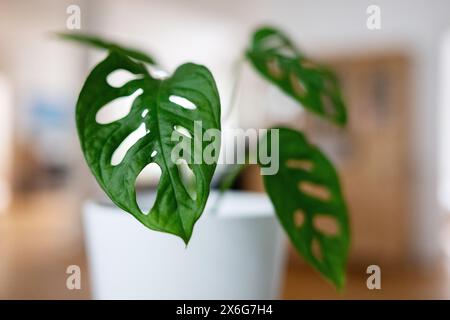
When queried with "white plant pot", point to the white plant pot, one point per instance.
{"points": [[235, 253]]}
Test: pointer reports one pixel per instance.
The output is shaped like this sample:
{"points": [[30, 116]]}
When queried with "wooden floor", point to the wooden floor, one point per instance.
{"points": [[41, 235]]}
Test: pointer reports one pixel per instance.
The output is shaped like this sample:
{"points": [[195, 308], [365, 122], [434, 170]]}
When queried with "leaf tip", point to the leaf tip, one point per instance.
{"points": [[59, 35], [339, 284], [186, 241]]}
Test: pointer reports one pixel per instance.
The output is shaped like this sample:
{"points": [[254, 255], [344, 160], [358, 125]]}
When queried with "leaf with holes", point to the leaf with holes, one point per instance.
{"points": [[152, 118], [314, 86], [100, 43], [309, 204]]}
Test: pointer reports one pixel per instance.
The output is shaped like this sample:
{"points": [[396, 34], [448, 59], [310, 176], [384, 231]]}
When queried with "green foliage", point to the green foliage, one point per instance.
{"points": [[314, 86], [304, 192], [309, 204], [100, 43], [175, 209]]}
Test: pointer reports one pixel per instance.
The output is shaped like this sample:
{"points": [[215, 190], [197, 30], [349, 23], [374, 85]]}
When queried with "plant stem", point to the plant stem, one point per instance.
{"points": [[230, 176], [227, 182], [234, 90]]}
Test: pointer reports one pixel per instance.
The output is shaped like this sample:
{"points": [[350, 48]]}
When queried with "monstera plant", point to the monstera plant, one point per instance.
{"points": [[305, 189]]}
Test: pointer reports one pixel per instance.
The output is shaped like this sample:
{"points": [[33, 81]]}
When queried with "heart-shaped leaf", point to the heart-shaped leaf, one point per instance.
{"points": [[149, 111], [100, 43], [314, 86], [309, 204]]}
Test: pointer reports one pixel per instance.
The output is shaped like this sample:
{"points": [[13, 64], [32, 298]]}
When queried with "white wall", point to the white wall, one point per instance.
{"points": [[444, 124], [39, 65]]}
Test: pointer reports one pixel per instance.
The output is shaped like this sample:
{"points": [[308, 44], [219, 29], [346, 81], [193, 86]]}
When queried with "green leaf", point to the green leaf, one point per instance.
{"points": [[309, 204], [314, 86], [154, 114], [100, 43]]}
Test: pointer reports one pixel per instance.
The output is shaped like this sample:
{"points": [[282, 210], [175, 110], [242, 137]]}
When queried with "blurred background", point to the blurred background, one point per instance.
{"points": [[394, 157]]}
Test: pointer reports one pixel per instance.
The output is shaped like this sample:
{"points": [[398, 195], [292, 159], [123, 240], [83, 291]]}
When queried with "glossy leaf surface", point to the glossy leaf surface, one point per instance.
{"points": [[147, 112], [309, 203]]}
